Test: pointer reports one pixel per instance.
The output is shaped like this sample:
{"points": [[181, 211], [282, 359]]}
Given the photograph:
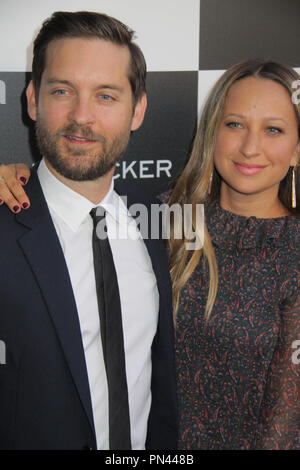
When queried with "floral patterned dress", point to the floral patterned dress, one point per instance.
{"points": [[238, 374]]}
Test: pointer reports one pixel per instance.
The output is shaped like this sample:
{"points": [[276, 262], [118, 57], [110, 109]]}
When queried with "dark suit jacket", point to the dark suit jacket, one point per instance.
{"points": [[45, 399]]}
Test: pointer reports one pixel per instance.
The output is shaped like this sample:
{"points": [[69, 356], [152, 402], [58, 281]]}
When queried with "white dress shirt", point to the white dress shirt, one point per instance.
{"points": [[139, 297]]}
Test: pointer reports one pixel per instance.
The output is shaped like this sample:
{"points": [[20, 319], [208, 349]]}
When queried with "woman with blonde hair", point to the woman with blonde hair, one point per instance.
{"points": [[236, 300]]}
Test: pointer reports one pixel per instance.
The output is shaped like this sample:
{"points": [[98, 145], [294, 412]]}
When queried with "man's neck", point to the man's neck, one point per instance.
{"points": [[94, 190]]}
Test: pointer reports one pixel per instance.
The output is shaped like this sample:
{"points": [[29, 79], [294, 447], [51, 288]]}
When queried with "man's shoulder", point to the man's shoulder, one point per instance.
{"points": [[7, 217], [10, 221]]}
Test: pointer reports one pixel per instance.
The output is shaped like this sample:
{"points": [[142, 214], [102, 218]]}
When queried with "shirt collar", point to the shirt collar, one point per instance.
{"points": [[72, 207]]}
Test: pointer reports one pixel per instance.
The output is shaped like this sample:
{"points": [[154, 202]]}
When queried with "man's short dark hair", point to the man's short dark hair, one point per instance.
{"points": [[85, 24]]}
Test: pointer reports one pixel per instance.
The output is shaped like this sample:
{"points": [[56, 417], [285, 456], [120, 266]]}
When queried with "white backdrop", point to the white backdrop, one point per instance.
{"points": [[166, 29]]}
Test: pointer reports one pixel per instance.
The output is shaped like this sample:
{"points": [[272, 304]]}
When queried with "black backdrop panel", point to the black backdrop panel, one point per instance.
{"points": [[168, 128], [235, 30]]}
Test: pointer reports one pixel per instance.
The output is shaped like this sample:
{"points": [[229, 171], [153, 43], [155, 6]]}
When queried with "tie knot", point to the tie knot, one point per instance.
{"points": [[97, 214]]}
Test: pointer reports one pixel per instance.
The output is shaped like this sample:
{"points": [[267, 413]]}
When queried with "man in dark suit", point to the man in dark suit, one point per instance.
{"points": [[86, 95]]}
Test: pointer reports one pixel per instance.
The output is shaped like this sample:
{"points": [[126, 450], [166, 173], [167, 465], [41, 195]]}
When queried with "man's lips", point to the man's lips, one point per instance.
{"points": [[247, 169], [77, 139]]}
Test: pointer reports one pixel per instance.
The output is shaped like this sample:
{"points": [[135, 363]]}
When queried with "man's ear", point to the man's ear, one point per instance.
{"points": [[31, 101], [139, 112]]}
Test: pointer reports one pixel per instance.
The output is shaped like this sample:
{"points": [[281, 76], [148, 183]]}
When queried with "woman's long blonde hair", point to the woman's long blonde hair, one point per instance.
{"points": [[200, 183]]}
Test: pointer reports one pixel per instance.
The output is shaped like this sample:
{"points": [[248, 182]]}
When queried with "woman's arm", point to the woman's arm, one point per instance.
{"points": [[279, 426]]}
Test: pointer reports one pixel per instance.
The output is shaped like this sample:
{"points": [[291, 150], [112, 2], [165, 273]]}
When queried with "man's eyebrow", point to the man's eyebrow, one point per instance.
{"points": [[102, 86], [108, 87], [53, 81]]}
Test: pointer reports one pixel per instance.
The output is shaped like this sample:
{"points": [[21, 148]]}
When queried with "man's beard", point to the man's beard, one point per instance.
{"points": [[72, 167]]}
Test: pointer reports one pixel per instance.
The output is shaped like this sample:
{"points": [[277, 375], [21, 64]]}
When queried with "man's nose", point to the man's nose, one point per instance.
{"points": [[82, 111]]}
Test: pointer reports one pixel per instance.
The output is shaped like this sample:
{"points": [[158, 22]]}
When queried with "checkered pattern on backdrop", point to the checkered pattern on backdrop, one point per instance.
{"points": [[187, 45]]}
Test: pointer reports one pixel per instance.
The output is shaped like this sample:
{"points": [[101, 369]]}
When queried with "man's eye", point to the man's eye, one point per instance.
{"points": [[105, 97], [60, 92]]}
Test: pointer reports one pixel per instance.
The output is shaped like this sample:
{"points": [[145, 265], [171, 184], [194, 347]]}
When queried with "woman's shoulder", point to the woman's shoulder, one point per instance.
{"points": [[291, 232], [287, 258]]}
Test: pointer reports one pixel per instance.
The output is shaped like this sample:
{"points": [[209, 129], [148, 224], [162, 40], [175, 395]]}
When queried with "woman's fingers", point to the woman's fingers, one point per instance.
{"points": [[11, 186], [22, 172]]}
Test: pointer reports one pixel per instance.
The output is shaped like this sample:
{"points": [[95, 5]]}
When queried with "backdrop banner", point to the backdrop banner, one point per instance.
{"points": [[187, 45]]}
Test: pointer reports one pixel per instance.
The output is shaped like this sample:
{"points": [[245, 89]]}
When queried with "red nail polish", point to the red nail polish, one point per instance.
{"points": [[24, 205], [1, 201], [15, 208], [23, 179]]}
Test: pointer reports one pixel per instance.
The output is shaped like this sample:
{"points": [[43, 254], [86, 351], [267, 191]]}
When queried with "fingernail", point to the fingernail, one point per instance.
{"points": [[1, 201], [25, 205], [23, 179], [15, 208]]}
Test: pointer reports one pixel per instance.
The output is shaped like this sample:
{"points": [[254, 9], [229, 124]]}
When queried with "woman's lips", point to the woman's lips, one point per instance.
{"points": [[248, 170]]}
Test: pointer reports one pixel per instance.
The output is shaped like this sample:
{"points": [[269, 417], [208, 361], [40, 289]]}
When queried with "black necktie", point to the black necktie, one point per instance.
{"points": [[111, 334]]}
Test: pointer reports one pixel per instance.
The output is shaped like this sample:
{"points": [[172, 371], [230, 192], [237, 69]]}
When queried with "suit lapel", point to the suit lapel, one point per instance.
{"points": [[43, 252]]}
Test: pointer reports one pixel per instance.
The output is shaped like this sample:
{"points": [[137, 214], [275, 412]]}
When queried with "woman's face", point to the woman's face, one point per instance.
{"points": [[257, 140]]}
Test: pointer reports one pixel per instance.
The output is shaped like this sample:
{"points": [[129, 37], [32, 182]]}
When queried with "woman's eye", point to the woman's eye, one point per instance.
{"points": [[233, 124], [274, 130]]}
